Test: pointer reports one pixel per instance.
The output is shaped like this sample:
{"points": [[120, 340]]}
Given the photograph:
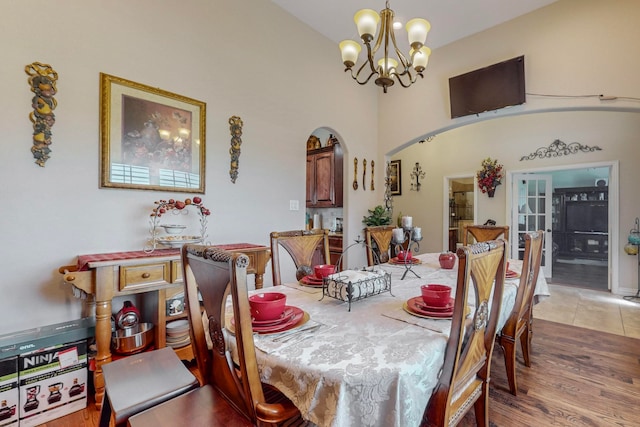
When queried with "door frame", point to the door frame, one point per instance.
{"points": [[445, 205], [614, 208]]}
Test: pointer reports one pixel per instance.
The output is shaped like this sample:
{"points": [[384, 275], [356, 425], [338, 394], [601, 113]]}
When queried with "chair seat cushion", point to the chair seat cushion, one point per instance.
{"points": [[140, 381]]}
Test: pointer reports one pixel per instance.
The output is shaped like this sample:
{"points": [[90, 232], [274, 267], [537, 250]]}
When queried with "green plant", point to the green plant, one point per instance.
{"points": [[377, 216]]}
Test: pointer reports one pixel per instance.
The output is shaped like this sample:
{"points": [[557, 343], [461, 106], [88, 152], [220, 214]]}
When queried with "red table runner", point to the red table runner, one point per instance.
{"points": [[84, 260]]}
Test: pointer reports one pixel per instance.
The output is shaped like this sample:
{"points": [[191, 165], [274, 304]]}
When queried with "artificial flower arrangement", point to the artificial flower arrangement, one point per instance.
{"points": [[490, 176]]}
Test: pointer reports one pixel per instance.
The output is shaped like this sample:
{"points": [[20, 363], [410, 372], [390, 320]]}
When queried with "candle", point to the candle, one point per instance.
{"points": [[417, 233], [398, 234], [407, 221]]}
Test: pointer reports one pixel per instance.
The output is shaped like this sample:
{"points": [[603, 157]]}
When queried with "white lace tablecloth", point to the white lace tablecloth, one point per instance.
{"points": [[374, 366]]}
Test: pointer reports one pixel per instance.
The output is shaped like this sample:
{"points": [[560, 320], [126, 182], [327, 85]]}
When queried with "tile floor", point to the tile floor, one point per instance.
{"points": [[590, 309]]}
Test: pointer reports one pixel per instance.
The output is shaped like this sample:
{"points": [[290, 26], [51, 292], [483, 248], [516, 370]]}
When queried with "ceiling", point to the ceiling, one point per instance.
{"points": [[450, 20]]}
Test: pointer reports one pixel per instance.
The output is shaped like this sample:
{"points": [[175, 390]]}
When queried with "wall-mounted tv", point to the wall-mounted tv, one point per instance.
{"points": [[490, 88]]}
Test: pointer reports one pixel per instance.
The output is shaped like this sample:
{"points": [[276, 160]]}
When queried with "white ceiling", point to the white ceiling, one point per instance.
{"points": [[450, 20]]}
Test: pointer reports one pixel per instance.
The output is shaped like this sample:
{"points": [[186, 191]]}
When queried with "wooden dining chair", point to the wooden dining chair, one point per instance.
{"points": [[306, 248], [519, 322], [381, 237], [464, 378], [211, 275], [482, 233], [141, 381]]}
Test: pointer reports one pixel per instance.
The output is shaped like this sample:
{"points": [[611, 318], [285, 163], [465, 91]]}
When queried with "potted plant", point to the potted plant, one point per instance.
{"points": [[377, 216]]}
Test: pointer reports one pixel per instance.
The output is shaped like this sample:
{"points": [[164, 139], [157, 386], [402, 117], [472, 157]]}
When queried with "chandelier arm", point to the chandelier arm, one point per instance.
{"points": [[357, 75], [412, 79], [403, 59]]}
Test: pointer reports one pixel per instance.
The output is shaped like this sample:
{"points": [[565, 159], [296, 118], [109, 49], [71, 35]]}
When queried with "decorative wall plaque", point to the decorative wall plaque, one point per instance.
{"points": [[235, 127], [558, 148], [42, 79]]}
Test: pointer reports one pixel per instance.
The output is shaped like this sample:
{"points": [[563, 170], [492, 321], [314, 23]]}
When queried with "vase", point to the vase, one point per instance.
{"points": [[447, 260], [491, 192]]}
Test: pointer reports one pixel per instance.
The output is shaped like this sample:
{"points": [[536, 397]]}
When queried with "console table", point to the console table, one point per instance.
{"points": [[105, 276]]}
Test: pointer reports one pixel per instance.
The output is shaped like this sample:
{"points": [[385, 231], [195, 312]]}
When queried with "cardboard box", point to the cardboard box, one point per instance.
{"points": [[52, 382], [17, 343], [9, 392]]}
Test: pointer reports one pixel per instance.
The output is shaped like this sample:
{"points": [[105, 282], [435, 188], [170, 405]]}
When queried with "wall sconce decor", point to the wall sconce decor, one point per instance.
{"points": [[417, 174], [388, 200], [558, 148], [42, 79], [235, 126]]}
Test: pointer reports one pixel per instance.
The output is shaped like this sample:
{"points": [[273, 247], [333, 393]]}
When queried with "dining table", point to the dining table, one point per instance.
{"points": [[371, 362]]}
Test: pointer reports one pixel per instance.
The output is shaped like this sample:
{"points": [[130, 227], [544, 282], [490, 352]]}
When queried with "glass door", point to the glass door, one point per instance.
{"points": [[532, 210]]}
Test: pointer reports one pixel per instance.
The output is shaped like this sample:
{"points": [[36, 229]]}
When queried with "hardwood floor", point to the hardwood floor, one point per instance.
{"points": [[591, 276], [578, 377]]}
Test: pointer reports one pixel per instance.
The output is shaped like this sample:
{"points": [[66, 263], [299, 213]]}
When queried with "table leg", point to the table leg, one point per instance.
{"points": [[103, 346]]}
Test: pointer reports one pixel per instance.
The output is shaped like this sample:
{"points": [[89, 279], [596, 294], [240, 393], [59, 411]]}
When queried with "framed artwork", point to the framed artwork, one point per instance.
{"points": [[395, 182], [150, 139]]}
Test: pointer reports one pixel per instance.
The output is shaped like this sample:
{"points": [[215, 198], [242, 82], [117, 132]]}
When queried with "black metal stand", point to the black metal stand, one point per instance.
{"points": [[341, 289], [413, 242], [636, 297]]}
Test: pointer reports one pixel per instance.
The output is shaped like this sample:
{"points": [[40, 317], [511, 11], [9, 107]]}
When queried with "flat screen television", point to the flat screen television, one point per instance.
{"points": [[496, 86], [587, 216]]}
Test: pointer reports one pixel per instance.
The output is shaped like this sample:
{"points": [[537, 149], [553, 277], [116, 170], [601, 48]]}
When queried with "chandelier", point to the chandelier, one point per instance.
{"points": [[387, 70]]}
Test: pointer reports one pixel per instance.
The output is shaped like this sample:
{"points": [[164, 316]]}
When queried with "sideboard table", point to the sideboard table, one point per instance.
{"points": [[105, 276]]}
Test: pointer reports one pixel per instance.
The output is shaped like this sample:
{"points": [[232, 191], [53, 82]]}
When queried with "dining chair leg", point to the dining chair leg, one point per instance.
{"points": [[509, 349], [481, 407], [525, 342]]}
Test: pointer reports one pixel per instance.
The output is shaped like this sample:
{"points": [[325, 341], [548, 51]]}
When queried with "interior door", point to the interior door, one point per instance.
{"points": [[531, 211]]}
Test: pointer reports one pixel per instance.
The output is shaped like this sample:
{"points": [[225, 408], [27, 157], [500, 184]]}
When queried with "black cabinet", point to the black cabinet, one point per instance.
{"points": [[581, 222]]}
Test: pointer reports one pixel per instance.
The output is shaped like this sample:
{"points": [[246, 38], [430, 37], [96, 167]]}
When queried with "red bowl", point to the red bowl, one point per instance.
{"points": [[267, 306], [436, 295], [323, 270]]}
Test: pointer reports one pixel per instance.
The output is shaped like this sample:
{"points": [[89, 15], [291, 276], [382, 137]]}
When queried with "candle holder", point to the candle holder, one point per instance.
{"points": [[412, 236]]}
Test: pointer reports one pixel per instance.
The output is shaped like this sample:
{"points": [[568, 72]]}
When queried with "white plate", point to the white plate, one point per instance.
{"points": [[177, 325], [177, 241]]}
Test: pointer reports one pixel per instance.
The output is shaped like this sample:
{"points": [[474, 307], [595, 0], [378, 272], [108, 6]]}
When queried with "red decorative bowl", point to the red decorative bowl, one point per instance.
{"points": [[267, 306], [447, 260], [323, 270], [436, 295], [405, 256]]}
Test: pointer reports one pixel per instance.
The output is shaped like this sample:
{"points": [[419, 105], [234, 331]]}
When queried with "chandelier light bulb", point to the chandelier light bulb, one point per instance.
{"points": [[388, 65], [417, 30], [420, 58], [367, 22], [350, 51]]}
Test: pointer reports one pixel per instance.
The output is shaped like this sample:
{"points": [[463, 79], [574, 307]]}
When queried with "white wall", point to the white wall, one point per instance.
{"points": [[283, 79], [571, 47]]}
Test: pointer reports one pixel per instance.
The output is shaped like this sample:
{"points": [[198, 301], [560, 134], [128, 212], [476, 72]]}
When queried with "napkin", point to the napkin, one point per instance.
{"points": [[274, 343], [442, 326], [354, 276]]}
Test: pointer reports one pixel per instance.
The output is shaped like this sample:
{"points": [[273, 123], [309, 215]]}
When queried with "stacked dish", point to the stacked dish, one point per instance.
{"points": [[434, 302], [417, 307], [311, 280], [397, 261], [178, 333]]}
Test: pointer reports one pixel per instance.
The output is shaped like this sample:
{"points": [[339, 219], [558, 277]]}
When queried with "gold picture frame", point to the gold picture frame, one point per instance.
{"points": [[150, 139], [395, 177]]}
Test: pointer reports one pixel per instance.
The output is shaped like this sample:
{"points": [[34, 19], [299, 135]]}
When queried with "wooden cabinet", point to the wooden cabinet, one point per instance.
{"points": [[581, 222], [335, 248], [324, 177]]}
